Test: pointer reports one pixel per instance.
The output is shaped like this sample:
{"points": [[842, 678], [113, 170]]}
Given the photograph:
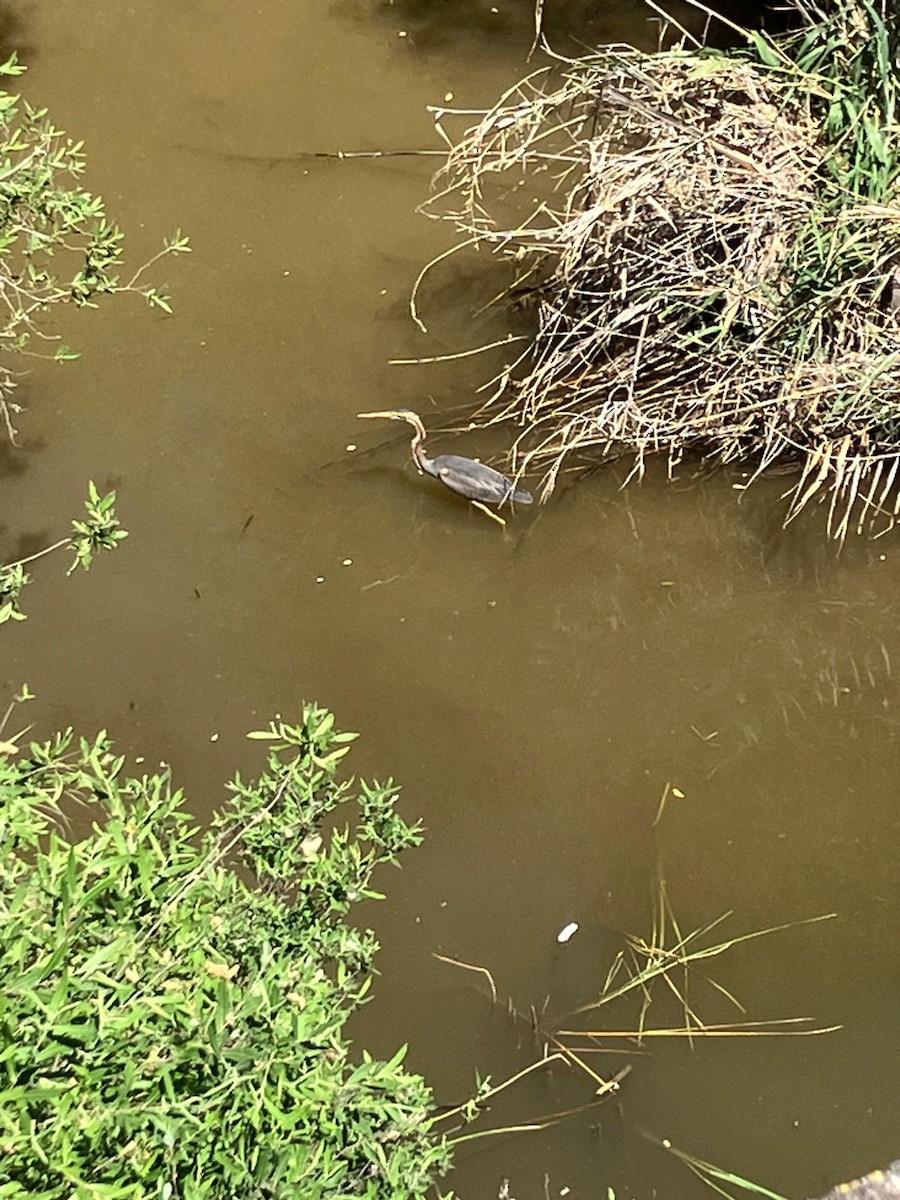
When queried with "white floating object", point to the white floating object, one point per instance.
{"points": [[347, 562], [570, 930], [214, 737], [352, 446], [320, 579]]}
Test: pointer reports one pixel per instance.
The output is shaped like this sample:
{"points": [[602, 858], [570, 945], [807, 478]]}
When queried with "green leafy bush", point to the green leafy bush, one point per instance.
{"points": [[100, 531], [172, 1006], [57, 246]]}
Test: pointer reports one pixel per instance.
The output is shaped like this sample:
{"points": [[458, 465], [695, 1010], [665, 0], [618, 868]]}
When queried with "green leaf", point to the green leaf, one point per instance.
{"points": [[766, 52], [159, 301]]}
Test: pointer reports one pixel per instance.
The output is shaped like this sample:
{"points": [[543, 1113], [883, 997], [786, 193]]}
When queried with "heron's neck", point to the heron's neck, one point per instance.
{"points": [[423, 462]]}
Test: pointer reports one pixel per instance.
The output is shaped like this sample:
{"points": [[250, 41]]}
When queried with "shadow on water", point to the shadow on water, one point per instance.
{"points": [[535, 689], [14, 460], [570, 26], [28, 544], [13, 24]]}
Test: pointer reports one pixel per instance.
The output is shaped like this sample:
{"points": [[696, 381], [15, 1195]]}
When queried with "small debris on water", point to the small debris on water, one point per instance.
{"points": [[569, 931], [492, 603], [667, 583], [677, 793], [351, 446], [565, 1191], [401, 33], [443, 904], [662, 804], [213, 737], [882, 557], [448, 97], [378, 582], [320, 579], [347, 562], [139, 760]]}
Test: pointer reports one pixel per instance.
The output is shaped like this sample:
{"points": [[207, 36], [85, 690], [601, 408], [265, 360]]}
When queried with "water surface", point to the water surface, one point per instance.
{"points": [[533, 689]]}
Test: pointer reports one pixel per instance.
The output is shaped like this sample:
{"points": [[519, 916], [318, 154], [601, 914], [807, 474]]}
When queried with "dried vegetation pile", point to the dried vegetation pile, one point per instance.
{"points": [[712, 243]]}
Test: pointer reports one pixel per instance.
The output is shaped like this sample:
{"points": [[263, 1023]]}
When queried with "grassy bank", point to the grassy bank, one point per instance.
{"points": [[711, 243]]}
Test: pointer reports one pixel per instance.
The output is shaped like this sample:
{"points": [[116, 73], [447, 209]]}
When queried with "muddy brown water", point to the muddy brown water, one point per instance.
{"points": [[535, 689]]}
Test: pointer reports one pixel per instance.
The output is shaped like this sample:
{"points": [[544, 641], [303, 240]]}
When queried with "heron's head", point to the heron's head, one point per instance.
{"points": [[395, 414]]}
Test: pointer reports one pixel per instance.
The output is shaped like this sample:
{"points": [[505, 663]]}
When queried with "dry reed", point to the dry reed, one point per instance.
{"points": [[711, 242]]}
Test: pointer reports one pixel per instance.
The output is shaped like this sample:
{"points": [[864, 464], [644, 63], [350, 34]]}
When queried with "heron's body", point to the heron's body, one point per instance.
{"points": [[472, 479]]}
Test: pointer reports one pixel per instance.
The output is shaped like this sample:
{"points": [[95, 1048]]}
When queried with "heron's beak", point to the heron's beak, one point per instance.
{"points": [[390, 414]]}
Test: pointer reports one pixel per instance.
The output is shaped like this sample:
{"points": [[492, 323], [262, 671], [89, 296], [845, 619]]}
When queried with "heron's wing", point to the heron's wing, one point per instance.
{"points": [[476, 481]]}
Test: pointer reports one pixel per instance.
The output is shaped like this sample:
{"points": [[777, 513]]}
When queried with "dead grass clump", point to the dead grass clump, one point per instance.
{"points": [[711, 242]]}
